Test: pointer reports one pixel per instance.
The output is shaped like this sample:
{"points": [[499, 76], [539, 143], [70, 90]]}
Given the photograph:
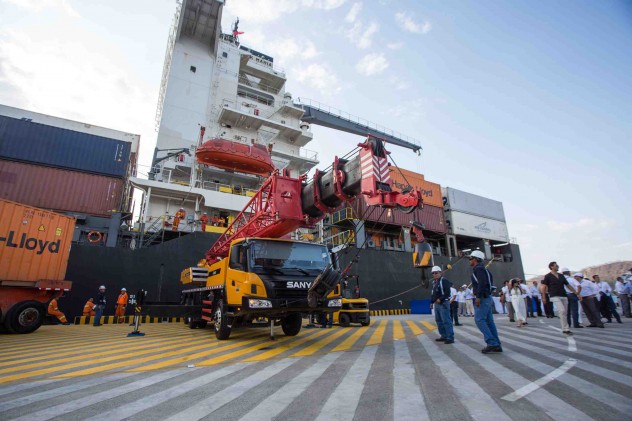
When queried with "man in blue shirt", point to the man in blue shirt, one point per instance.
{"points": [[482, 282], [440, 301]]}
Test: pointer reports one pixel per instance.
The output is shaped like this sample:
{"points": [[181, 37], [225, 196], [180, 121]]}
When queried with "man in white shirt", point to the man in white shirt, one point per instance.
{"points": [[507, 298], [526, 295], [606, 303], [624, 297], [588, 292], [573, 300], [454, 307], [469, 301], [460, 299], [535, 296]]}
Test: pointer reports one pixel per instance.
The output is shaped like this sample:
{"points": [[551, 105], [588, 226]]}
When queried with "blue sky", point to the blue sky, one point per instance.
{"points": [[524, 102]]}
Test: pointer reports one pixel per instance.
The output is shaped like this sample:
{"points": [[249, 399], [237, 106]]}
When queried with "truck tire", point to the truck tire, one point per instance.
{"points": [[292, 324], [367, 322], [25, 317], [344, 320], [222, 329]]}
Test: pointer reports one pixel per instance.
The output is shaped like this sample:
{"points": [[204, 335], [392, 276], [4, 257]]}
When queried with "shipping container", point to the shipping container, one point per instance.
{"points": [[431, 216], [460, 201], [460, 223], [430, 191], [61, 190], [26, 141], [34, 243]]}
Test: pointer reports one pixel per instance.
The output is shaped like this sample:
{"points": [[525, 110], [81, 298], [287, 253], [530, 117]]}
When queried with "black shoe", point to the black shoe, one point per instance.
{"points": [[490, 349], [592, 326], [568, 332], [66, 324], [579, 327], [440, 339], [512, 320], [448, 341], [458, 324], [608, 321], [618, 321], [601, 326]]}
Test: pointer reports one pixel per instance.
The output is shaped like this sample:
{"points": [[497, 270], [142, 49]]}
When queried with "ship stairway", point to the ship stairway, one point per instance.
{"points": [[324, 115], [153, 230]]}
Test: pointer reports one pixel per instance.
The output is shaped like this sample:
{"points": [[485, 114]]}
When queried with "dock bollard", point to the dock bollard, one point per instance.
{"points": [[138, 307]]}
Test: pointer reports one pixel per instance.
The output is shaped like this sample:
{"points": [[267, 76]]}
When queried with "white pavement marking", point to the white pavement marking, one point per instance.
{"points": [[408, 400], [150, 401], [533, 386], [279, 400], [216, 401], [64, 408], [551, 404], [343, 401], [52, 393], [572, 345], [24, 386], [479, 404]]}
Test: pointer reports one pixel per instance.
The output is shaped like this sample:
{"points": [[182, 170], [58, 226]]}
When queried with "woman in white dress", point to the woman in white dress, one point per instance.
{"points": [[518, 302]]}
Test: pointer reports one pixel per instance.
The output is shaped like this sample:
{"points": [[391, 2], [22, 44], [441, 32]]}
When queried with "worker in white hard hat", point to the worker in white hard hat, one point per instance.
{"points": [[482, 282], [440, 302], [100, 306], [121, 305]]}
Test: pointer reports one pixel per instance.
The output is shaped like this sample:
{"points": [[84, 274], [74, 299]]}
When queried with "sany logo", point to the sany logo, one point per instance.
{"points": [[303, 284], [31, 243], [483, 227]]}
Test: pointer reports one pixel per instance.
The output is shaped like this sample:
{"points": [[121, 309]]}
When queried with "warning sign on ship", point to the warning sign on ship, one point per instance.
{"points": [[41, 228]]}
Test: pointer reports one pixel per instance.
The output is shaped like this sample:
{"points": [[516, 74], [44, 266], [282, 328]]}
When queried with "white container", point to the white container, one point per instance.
{"points": [[476, 226], [460, 201]]}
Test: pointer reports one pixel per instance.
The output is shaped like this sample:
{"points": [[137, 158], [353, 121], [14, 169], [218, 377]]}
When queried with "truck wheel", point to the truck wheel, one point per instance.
{"points": [[368, 321], [25, 317], [222, 330], [292, 324], [344, 320]]}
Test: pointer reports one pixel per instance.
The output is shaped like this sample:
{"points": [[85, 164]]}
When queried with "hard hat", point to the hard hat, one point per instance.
{"points": [[123, 289], [478, 254], [464, 286], [578, 274], [436, 269], [565, 270], [102, 287]]}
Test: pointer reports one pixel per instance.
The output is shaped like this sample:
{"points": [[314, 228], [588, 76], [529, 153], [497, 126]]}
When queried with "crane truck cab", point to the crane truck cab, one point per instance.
{"points": [[262, 277]]}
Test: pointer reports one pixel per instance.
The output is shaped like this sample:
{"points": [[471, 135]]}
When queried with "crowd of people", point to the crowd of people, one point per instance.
{"points": [[94, 309], [559, 292]]}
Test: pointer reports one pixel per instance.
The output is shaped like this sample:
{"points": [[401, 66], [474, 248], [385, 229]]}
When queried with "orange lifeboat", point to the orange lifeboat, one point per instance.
{"points": [[222, 153]]}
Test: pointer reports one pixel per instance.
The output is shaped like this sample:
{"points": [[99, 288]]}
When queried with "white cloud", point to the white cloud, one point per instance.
{"points": [[395, 45], [261, 11], [354, 12], [397, 83], [45, 5], [407, 23], [361, 35], [318, 76], [372, 64]]}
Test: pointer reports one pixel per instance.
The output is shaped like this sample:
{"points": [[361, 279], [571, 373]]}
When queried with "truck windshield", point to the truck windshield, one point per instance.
{"points": [[285, 256]]}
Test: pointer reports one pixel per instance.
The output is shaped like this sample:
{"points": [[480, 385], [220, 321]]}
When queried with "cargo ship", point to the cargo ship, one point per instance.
{"points": [[224, 121]]}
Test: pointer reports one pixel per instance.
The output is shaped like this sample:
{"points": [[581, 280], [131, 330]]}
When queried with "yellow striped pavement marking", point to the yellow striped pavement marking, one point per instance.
{"points": [[313, 348], [286, 347], [351, 340], [413, 326], [198, 355], [378, 335], [398, 330], [429, 325], [239, 353]]}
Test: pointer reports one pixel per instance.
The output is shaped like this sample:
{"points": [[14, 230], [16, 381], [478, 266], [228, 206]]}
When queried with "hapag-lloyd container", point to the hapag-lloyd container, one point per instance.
{"points": [[460, 201], [34, 243], [431, 216], [476, 226], [26, 141], [431, 192], [60, 190]]}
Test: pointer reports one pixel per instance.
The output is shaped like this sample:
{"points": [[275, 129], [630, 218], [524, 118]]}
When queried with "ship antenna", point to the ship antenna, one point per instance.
{"points": [[236, 32]]}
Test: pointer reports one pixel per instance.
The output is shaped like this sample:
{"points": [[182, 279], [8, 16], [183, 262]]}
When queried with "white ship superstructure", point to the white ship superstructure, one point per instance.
{"points": [[210, 81]]}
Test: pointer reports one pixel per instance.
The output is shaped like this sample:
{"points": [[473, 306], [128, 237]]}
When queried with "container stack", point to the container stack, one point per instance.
{"points": [[64, 165], [474, 216]]}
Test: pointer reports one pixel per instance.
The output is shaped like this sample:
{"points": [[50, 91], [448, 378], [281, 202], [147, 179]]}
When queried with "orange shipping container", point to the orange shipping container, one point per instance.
{"points": [[431, 191], [34, 243]]}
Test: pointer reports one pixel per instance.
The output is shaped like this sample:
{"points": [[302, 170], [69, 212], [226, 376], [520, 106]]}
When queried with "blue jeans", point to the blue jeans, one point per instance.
{"points": [[98, 313], [444, 320], [573, 310], [485, 321]]}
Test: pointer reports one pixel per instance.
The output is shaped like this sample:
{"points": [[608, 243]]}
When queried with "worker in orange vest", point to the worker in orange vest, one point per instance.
{"points": [[88, 308], [181, 214], [121, 303], [204, 221], [53, 310]]}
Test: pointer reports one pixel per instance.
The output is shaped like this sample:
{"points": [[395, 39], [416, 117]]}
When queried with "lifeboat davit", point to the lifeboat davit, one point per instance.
{"points": [[234, 156]]}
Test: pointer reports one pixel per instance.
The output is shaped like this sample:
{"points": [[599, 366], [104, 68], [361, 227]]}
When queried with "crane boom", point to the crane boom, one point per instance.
{"points": [[285, 203]]}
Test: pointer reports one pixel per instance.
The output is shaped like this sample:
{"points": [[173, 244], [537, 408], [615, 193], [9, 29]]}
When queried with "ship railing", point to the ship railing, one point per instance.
{"points": [[344, 237], [355, 119], [260, 99], [171, 42], [343, 215], [257, 85], [308, 154]]}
